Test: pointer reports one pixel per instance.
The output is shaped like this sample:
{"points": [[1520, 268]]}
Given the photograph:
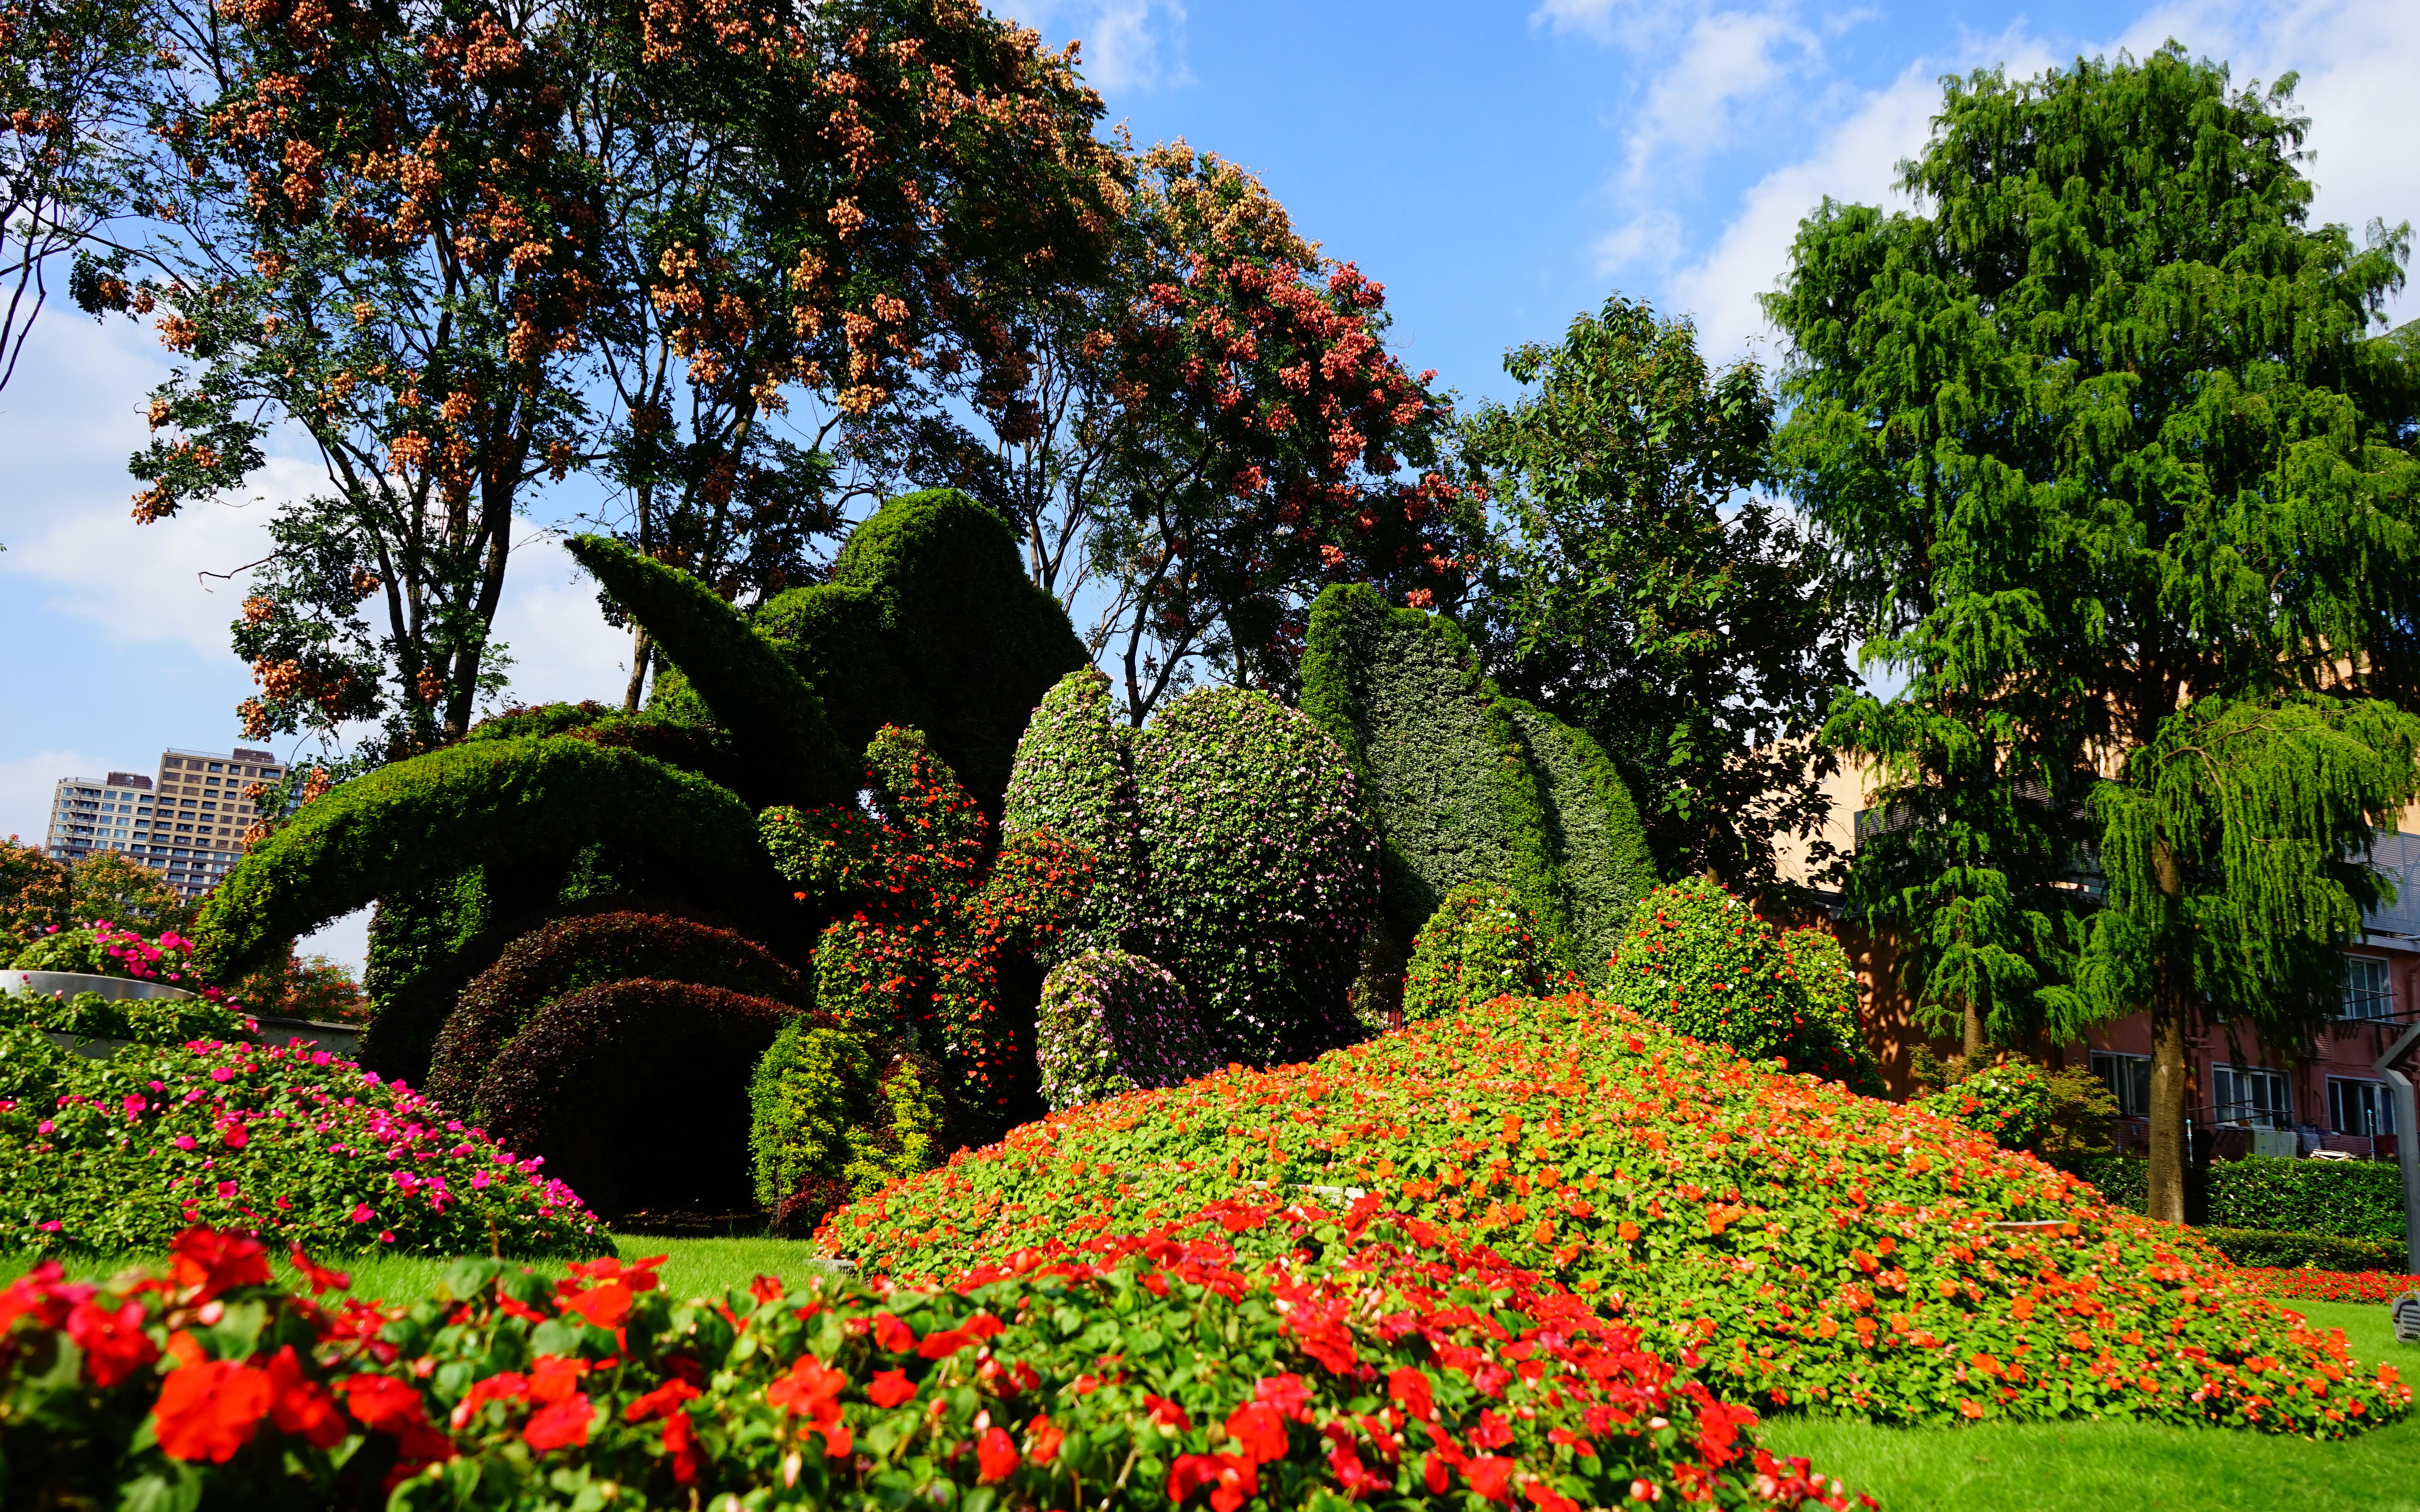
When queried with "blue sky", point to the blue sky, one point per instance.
{"points": [[1499, 167]]}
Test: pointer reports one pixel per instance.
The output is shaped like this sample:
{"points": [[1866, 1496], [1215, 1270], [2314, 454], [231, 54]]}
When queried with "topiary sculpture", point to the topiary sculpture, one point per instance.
{"points": [[1480, 944], [1464, 784], [574, 954], [930, 915], [1704, 962], [1111, 1022], [834, 1117]]}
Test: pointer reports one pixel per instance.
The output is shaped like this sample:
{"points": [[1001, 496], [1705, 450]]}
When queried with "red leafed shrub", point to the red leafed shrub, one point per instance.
{"points": [[2298, 1285], [1155, 1371], [1809, 1246], [636, 1094]]}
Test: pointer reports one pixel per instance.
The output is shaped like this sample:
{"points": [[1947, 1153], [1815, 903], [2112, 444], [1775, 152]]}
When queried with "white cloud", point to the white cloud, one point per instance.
{"points": [[1729, 59], [1649, 239], [1127, 44], [26, 784], [561, 646]]}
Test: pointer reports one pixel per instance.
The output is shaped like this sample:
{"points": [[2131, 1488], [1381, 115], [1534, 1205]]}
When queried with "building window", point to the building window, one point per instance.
{"points": [[2366, 995], [2129, 1080], [2356, 1107], [2249, 1095]]}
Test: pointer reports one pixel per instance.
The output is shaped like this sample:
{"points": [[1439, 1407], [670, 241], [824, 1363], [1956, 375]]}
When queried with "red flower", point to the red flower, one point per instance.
{"points": [[605, 1305], [680, 1446], [996, 1455], [889, 1388], [659, 1402], [1410, 1389], [559, 1425], [811, 1390], [301, 1406], [1259, 1429], [1168, 1412], [892, 1334], [114, 1343], [555, 1377], [505, 1386], [1487, 1477], [1230, 1477], [207, 1408], [1286, 1393], [215, 1262], [1046, 1438], [321, 1277]]}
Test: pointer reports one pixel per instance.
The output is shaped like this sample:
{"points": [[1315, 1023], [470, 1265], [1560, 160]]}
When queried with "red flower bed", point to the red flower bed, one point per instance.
{"points": [[2301, 1285], [1137, 1372], [1810, 1248]]}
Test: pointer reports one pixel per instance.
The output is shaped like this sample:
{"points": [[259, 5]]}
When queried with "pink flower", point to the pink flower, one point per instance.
{"points": [[361, 1212], [183, 1141]]}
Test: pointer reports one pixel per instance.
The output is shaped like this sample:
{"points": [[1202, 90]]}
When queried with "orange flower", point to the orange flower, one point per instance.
{"points": [[209, 1408]]}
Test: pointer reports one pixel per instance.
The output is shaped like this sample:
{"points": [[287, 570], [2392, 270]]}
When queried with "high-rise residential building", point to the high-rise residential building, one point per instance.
{"points": [[188, 820]]}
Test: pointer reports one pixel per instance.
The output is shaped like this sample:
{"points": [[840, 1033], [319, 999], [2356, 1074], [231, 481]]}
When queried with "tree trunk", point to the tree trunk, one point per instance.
{"points": [[2171, 1000], [640, 649], [1972, 1041]]}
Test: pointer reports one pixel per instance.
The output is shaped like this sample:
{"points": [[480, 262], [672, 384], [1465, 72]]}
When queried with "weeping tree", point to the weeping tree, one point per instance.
{"points": [[2119, 466]]}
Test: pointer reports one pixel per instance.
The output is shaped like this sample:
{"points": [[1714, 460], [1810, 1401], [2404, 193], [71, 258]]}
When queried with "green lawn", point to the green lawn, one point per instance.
{"points": [[2083, 1467], [2123, 1467]]}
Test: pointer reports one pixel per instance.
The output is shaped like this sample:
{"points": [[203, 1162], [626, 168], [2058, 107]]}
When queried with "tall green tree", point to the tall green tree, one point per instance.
{"points": [[1640, 590], [2124, 473]]}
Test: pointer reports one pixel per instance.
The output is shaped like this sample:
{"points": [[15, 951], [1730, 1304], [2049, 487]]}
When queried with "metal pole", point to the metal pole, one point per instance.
{"points": [[2406, 1142]]}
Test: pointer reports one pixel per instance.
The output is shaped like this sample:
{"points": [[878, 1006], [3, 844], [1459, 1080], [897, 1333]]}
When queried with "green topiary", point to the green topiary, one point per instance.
{"points": [[1599, 847], [519, 804], [1261, 871], [931, 916], [571, 955], [2008, 1100], [1480, 944], [635, 1093], [831, 1112], [1704, 962], [929, 620], [1111, 1022], [786, 746], [1073, 776]]}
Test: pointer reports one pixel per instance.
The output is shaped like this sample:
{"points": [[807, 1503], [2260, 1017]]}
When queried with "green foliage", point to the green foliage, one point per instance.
{"points": [[422, 823], [1640, 592], [1602, 862], [34, 896], [2009, 1102], [928, 621], [786, 749], [39, 895], [1261, 871], [1072, 775], [1704, 963], [126, 1153], [1110, 1021], [2339, 1198], [636, 1093], [1438, 756], [2122, 1178], [571, 955], [1480, 944], [1812, 1249], [154, 1020], [425, 942], [828, 1108], [2297, 1247]]}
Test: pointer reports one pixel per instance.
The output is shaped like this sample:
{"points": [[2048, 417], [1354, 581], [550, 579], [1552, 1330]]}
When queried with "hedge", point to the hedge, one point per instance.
{"points": [[635, 1093], [1603, 867], [833, 1117], [123, 1154], [1261, 871], [1815, 1249], [154, 1020], [787, 744], [2344, 1198], [2295, 1247], [1072, 775], [1440, 761], [1154, 1372], [1110, 1021], [520, 803], [929, 620], [573, 954], [1480, 944]]}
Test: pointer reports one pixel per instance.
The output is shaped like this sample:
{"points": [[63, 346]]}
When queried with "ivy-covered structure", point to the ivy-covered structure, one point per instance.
{"points": [[1465, 785]]}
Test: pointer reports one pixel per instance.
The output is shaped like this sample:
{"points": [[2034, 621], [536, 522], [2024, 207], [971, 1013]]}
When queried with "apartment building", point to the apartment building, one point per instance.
{"points": [[187, 820]]}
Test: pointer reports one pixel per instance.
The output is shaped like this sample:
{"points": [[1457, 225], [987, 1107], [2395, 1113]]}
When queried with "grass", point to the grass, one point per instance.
{"points": [[2087, 1467], [2123, 1467]]}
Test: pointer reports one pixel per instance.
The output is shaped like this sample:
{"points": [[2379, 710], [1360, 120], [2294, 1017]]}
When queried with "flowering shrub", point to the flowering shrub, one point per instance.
{"points": [[1810, 1248], [1705, 963], [123, 1153], [1480, 944], [1073, 776], [930, 915], [833, 1116], [143, 1020], [1157, 1371], [2302, 1285], [105, 949], [1111, 1022], [2010, 1102]]}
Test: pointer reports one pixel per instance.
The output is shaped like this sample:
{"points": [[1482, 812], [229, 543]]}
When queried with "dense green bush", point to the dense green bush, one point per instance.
{"points": [[1810, 1248], [1111, 1022], [929, 620], [2124, 1180], [158, 1021], [932, 918], [1073, 776], [1595, 837], [1701, 961], [2294, 1248], [833, 1117], [2009, 1100], [2344, 1198], [571, 955], [1480, 944], [124, 1153], [1145, 1373], [636, 1094], [1261, 871]]}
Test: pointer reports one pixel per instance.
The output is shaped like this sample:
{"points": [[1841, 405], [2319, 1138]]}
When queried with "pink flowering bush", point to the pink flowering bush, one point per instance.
{"points": [[282, 1140], [106, 950]]}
